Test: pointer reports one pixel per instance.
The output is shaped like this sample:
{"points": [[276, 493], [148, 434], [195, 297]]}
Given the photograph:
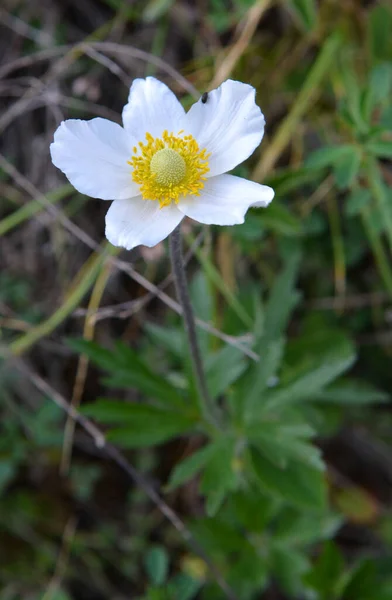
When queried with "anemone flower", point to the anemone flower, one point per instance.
{"points": [[165, 164]]}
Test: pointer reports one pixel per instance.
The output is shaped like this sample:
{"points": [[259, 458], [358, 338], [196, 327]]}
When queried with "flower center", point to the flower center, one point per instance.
{"points": [[169, 167]]}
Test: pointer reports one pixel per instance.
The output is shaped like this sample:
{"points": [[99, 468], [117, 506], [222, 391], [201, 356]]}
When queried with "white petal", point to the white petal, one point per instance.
{"points": [[93, 155], [132, 222], [230, 125], [225, 199], [152, 107]]}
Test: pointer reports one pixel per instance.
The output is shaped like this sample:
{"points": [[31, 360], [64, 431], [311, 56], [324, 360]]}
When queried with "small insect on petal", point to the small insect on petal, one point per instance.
{"points": [[204, 97]]}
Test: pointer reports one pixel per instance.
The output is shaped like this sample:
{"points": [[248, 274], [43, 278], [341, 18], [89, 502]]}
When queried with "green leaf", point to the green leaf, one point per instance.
{"points": [[318, 372], [144, 425], [83, 479], [276, 443], [260, 376], [189, 467], [171, 339], [253, 509], [380, 26], [133, 437], [218, 536], [289, 567], [219, 476], [297, 428], [362, 582], [328, 156], [250, 232], [7, 472], [183, 587], [351, 106], [280, 220], [127, 370], [249, 297], [61, 595], [248, 571], [356, 201], [298, 484], [289, 179], [352, 392], [156, 9], [385, 120], [327, 571], [45, 427], [213, 275], [379, 87], [156, 562], [295, 529], [306, 12], [380, 148], [223, 368], [347, 168], [318, 339], [281, 302], [155, 593]]}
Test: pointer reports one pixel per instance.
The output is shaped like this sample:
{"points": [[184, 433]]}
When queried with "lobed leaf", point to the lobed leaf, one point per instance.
{"points": [[127, 370], [298, 484]]}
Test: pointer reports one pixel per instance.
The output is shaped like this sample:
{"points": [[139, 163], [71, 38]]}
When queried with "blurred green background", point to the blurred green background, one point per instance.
{"points": [[72, 524]]}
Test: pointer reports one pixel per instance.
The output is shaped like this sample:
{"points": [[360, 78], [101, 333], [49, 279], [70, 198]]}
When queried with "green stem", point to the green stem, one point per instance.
{"points": [[205, 402]]}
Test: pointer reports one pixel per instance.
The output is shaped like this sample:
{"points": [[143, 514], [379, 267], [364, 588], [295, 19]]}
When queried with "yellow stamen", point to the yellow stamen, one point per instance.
{"points": [[169, 167]]}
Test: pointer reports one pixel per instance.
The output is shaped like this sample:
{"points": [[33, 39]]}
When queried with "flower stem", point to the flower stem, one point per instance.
{"points": [[206, 404]]}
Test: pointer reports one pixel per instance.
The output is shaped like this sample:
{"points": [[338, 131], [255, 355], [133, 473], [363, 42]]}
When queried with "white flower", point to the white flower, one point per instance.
{"points": [[165, 164]]}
